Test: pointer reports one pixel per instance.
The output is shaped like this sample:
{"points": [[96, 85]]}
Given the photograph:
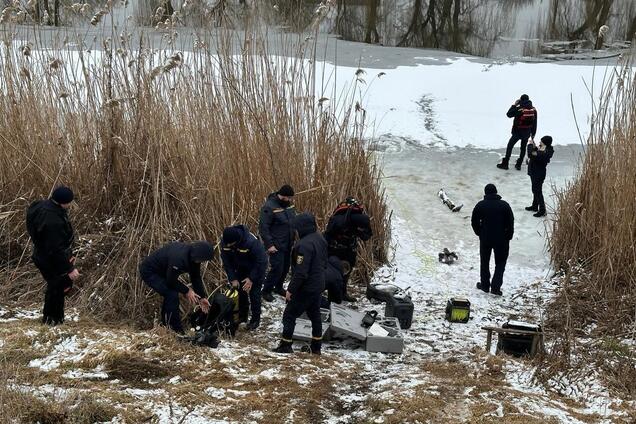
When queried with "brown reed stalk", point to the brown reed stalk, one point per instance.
{"points": [[163, 145]]}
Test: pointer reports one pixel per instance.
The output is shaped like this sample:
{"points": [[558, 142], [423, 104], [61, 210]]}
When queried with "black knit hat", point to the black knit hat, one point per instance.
{"points": [[524, 98], [547, 140], [231, 235], [62, 195], [490, 189], [286, 191]]}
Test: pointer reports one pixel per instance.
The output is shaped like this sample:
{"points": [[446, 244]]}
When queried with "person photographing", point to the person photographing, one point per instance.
{"points": [[538, 160]]}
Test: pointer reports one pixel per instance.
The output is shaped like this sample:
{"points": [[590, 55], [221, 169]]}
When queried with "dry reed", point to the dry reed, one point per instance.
{"points": [[164, 145], [593, 242]]}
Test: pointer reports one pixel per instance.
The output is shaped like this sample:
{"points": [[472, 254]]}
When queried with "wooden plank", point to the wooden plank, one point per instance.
{"points": [[510, 331], [488, 340]]}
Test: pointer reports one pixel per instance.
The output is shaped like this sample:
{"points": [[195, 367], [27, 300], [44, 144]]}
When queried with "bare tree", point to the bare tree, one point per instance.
{"points": [[371, 34]]}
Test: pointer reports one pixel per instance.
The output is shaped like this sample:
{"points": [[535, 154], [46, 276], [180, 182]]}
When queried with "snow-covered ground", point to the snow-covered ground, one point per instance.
{"points": [[438, 124]]}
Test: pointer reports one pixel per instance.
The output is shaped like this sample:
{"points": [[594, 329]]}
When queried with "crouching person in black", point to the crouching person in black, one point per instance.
{"points": [[52, 235], [335, 274], [539, 158], [245, 262], [347, 224], [309, 260], [161, 272]]}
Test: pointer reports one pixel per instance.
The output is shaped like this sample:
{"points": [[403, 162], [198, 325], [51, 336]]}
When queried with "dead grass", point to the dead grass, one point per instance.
{"points": [[592, 244], [161, 145]]}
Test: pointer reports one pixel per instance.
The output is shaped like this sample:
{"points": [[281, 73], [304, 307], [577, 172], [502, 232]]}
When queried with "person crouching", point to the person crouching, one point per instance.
{"points": [[245, 261], [309, 260], [161, 270]]}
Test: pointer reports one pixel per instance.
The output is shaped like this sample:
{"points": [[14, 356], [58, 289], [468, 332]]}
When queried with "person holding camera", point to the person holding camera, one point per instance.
{"points": [[539, 158], [524, 126]]}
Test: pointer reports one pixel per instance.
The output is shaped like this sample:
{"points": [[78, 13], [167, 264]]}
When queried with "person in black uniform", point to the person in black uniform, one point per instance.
{"points": [[275, 228], [245, 262], [309, 260], [493, 222], [161, 270], [524, 126], [347, 224], [52, 236], [539, 158]]}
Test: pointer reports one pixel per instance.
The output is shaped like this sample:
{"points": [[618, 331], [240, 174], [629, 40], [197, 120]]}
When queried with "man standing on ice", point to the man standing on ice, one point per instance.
{"points": [[524, 127], [52, 235], [493, 222], [309, 260], [539, 160], [275, 228], [161, 272]]}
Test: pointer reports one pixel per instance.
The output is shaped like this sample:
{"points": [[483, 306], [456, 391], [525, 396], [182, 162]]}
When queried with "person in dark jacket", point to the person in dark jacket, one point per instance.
{"points": [[493, 222], [275, 228], [52, 235], [245, 263], [334, 280], [161, 270], [539, 158], [347, 224], [309, 260], [524, 127]]}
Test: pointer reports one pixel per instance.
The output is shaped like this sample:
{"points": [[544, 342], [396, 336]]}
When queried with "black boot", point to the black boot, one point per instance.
{"points": [[532, 208], [479, 286], [503, 164], [496, 292], [313, 348], [518, 164], [267, 296], [284, 347], [539, 214], [281, 292], [253, 325]]}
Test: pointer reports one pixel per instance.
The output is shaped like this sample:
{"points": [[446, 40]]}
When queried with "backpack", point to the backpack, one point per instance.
{"points": [[33, 211], [527, 118]]}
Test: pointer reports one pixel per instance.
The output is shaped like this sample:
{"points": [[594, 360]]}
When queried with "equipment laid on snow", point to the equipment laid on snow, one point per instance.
{"points": [[398, 303], [458, 310], [302, 331], [517, 344], [384, 336], [448, 202], [447, 257]]}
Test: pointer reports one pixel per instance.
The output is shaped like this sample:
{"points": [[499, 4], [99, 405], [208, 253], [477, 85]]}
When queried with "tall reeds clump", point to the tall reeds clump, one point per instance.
{"points": [[163, 145], [593, 242]]}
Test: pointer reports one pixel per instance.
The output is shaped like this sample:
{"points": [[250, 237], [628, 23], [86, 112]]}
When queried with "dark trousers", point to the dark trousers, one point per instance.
{"points": [[537, 192], [278, 269], [56, 285], [251, 300], [511, 143], [299, 303], [501, 256], [349, 255], [170, 313]]}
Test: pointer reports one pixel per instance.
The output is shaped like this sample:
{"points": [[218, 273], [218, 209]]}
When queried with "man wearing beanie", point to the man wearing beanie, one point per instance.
{"points": [[275, 228], [524, 127], [493, 222], [161, 270], [539, 160], [52, 235], [245, 263]]}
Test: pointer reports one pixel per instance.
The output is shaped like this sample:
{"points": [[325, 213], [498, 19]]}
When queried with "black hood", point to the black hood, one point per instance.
{"points": [[201, 251], [305, 223], [274, 196], [492, 196], [526, 104]]}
